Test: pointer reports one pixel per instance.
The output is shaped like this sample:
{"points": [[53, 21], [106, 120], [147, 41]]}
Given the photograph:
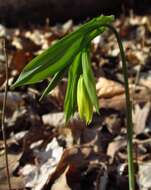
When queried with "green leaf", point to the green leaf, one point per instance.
{"points": [[42, 71], [53, 83], [60, 54], [73, 76], [89, 79]]}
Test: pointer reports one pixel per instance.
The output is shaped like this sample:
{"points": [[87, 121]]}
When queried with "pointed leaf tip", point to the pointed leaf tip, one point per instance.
{"points": [[89, 79]]}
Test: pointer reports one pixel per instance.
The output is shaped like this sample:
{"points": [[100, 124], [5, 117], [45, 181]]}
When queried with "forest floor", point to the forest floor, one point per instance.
{"points": [[44, 153]]}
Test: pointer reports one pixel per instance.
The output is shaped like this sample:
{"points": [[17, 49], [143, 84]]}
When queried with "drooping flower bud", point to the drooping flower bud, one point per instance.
{"points": [[85, 106]]}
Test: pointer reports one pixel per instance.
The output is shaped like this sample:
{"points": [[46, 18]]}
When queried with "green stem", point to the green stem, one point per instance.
{"points": [[131, 172]]}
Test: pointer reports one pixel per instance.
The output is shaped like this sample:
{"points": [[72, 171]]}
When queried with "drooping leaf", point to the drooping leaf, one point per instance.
{"points": [[89, 79], [53, 83], [73, 76], [60, 54], [29, 76]]}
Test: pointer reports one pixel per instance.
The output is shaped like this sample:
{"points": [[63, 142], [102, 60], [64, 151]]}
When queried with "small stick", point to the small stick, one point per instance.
{"points": [[3, 115]]}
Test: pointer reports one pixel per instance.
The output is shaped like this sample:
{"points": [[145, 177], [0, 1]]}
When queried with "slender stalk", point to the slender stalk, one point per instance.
{"points": [[131, 172], [3, 115]]}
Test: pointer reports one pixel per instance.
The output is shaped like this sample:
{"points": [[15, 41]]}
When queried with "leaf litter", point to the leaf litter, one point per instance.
{"points": [[47, 153]]}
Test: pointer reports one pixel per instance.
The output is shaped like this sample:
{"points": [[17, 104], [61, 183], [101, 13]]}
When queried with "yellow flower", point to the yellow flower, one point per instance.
{"points": [[85, 106]]}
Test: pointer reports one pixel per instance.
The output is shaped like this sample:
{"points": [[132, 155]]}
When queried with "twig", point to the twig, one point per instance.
{"points": [[3, 115]]}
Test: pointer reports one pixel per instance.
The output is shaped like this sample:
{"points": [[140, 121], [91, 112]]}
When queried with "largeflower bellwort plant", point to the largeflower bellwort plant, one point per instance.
{"points": [[71, 54]]}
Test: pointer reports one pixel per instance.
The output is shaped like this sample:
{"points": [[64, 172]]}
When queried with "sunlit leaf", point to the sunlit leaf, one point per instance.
{"points": [[89, 79], [71, 98], [42, 71], [60, 54]]}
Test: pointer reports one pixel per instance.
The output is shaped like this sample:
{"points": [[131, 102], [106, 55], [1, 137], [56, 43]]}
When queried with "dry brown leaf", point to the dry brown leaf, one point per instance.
{"points": [[145, 80], [108, 88], [23, 43], [67, 26], [54, 119], [14, 100], [10, 142], [144, 176], [13, 163], [20, 59], [61, 182], [117, 102], [46, 161], [137, 57], [113, 122], [140, 117], [32, 137], [114, 146], [80, 155], [58, 94], [16, 183]]}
